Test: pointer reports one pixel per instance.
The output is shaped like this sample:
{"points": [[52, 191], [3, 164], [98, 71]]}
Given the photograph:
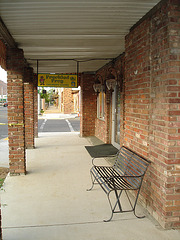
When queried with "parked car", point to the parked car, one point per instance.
{"points": [[5, 104]]}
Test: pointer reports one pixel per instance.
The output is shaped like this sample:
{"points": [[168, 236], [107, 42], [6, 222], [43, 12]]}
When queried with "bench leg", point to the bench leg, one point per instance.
{"points": [[134, 207], [115, 205], [108, 220], [118, 201], [93, 182]]}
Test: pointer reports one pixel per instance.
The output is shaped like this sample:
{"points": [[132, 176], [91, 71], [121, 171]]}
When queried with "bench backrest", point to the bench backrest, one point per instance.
{"points": [[130, 164]]}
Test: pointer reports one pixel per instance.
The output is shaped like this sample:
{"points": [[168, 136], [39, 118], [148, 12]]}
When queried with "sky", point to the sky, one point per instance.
{"points": [[3, 75]]}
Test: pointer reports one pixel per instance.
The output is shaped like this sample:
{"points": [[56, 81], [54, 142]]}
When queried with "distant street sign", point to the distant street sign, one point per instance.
{"points": [[57, 80]]}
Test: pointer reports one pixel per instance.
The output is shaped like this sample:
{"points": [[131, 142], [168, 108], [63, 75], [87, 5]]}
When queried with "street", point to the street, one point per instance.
{"points": [[4, 150], [3, 119], [59, 125], [44, 125]]}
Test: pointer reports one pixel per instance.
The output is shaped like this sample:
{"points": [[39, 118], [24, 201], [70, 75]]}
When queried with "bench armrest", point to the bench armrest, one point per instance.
{"points": [[102, 157]]}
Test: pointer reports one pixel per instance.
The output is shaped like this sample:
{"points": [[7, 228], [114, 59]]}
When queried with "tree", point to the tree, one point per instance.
{"points": [[44, 94]]}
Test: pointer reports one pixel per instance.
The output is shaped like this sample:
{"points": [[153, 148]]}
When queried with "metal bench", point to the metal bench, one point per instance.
{"points": [[126, 174]]}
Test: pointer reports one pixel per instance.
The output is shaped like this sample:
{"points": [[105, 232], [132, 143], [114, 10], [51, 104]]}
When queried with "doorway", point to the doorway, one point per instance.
{"points": [[115, 140]]}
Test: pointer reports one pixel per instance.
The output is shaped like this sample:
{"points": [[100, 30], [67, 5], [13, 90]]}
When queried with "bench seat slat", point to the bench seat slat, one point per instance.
{"points": [[110, 179]]}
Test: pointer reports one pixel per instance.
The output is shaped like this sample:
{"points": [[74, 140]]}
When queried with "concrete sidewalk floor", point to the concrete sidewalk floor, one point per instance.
{"points": [[52, 109], [53, 112], [51, 201], [4, 153], [57, 116]]}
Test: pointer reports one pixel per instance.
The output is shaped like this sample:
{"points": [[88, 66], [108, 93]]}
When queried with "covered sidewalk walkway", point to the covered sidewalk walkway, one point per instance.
{"points": [[51, 201]]}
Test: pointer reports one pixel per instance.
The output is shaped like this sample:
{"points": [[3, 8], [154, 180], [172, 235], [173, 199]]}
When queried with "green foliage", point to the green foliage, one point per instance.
{"points": [[48, 96], [1, 181], [45, 96]]}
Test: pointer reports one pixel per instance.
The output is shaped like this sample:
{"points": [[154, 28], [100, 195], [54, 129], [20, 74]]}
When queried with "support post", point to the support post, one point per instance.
{"points": [[29, 108], [16, 131], [35, 107]]}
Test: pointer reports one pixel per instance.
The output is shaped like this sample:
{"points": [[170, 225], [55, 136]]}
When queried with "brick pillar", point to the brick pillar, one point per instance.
{"points": [[165, 114], [29, 107], [15, 89], [88, 105], [35, 107]]}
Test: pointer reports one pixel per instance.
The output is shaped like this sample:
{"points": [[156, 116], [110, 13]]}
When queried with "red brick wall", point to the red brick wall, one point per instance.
{"points": [[101, 130], [68, 102], [172, 187], [137, 88], [152, 112], [88, 106]]}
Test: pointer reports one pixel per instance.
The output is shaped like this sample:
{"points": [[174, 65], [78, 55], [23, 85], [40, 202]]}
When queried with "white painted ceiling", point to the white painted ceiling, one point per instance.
{"points": [[71, 29]]}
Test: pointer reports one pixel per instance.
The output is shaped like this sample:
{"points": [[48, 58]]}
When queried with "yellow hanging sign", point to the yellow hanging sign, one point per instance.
{"points": [[57, 80]]}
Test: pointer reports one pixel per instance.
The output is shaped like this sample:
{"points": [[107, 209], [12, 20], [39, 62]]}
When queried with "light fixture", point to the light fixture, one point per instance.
{"points": [[98, 87], [111, 79]]}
